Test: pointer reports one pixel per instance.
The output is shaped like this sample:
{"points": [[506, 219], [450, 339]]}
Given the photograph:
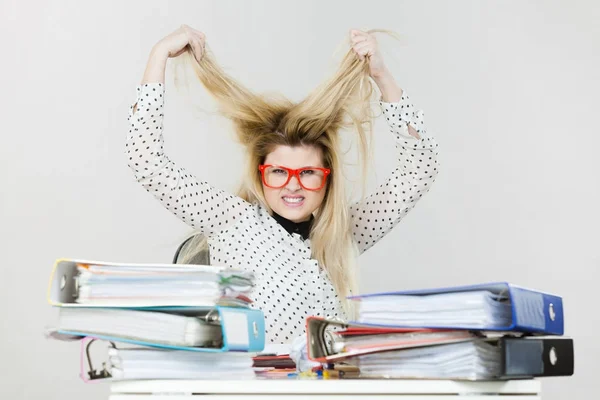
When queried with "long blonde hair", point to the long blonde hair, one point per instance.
{"points": [[262, 123]]}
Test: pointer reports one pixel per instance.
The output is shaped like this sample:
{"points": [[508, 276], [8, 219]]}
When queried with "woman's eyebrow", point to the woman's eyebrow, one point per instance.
{"points": [[306, 166], [310, 166]]}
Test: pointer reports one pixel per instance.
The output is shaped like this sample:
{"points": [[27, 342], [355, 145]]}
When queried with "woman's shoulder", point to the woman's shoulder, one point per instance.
{"points": [[255, 222], [255, 214], [260, 214]]}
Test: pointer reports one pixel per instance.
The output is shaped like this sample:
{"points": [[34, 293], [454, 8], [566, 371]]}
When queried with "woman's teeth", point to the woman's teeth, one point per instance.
{"points": [[293, 199]]}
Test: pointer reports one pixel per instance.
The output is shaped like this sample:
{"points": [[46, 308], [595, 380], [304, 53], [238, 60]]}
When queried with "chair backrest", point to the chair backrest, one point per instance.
{"points": [[202, 257]]}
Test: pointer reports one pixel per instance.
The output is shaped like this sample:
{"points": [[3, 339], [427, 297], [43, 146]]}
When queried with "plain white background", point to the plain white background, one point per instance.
{"points": [[509, 88]]}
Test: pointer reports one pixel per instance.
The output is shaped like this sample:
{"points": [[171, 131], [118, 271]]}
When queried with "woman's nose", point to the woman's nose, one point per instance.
{"points": [[293, 184]]}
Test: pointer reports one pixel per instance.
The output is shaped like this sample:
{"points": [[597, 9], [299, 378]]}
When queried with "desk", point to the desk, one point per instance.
{"points": [[274, 389]]}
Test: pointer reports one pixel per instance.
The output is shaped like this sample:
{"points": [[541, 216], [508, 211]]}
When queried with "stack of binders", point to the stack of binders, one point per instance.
{"points": [[162, 321], [490, 331]]}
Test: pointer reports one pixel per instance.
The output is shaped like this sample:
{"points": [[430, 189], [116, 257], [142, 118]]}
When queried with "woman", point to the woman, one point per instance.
{"points": [[291, 222]]}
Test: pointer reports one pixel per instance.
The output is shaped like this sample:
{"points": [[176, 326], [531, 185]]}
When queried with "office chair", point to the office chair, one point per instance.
{"points": [[201, 258]]}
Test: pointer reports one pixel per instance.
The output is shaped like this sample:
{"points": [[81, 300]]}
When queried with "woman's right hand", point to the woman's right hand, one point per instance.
{"points": [[172, 46], [176, 43]]}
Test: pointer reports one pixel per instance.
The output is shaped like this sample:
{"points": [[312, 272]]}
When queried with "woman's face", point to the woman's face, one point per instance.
{"points": [[292, 201]]}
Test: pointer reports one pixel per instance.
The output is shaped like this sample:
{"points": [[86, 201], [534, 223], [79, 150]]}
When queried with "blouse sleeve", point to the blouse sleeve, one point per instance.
{"points": [[195, 202], [416, 170]]}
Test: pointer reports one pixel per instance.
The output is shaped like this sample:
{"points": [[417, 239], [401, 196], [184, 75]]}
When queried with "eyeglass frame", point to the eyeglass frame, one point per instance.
{"points": [[294, 172]]}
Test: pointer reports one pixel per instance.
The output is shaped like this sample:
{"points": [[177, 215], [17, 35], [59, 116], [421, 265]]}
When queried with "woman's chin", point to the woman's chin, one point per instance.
{"points": [[296, 214]]}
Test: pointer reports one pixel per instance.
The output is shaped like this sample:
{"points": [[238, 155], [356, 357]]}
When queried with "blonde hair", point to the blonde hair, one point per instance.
{"points": [[262, 123]]}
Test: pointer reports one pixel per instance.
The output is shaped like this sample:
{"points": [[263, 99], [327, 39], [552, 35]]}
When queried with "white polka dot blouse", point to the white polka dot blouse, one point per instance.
{"points": [[290, 285]]}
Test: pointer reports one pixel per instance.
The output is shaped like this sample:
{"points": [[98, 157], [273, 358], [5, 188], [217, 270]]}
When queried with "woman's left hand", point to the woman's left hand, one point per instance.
{"points": [[365, 45]]}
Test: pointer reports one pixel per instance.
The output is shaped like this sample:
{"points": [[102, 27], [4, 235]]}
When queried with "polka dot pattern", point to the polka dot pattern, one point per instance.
{"points": [[290, 285]]}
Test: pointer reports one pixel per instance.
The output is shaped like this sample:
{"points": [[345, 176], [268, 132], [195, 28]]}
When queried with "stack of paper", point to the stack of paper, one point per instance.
{"points": [[185, 321], [128, 364], [473, 360], [146, 326], [470, 332], [474, 309], [353, 341], [133, 285]]}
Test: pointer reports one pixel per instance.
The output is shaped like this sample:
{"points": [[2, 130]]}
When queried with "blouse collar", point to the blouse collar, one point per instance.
{"points": [[301, 228]]}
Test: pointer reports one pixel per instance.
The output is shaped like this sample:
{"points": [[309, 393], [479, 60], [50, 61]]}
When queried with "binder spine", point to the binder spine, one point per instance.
{"points": [[528, 308], [537, 312], [539, 357], [243, 329]]}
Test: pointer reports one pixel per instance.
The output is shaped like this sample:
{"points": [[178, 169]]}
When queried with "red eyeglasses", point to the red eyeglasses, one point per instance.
{"points": [[310, 178]]}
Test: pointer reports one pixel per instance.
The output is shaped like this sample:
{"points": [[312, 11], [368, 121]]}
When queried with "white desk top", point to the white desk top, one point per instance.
{"points": [[333, 386]]}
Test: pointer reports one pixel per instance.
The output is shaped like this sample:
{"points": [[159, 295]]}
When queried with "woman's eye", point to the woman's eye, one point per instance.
{"points": [[278, 171], [307, 172]]}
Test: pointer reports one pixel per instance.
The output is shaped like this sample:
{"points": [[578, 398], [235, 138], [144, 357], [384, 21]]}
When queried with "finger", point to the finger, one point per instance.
{"points": [[200, 47], [187, 30], [196, 48], [188, 33], [359, 55], [356, 36], [193, 42], [200, 36], [362, 45], [363, 50], [365, 53], [198, 33], [199, 43], [359, 39], [357, 32]]}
